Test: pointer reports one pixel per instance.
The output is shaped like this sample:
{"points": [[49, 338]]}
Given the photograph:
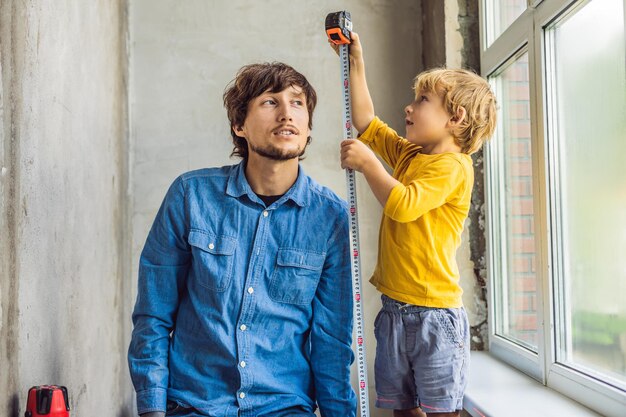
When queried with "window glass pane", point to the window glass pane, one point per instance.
{"points": [[516, 298], [590, 101], [500, 15]]}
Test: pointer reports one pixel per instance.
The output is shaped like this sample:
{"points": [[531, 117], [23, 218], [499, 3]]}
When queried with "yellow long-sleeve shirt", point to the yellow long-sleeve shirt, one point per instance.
{"points": [[422, 222]]}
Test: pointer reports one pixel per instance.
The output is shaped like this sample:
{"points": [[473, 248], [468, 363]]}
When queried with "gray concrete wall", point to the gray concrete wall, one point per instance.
{"points": [[451, 39], [64, 316], [463, 50], [433, 21], [184, 53]]}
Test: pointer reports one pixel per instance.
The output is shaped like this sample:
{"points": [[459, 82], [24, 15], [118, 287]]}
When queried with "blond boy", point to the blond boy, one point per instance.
{"points": [[422, 331]]}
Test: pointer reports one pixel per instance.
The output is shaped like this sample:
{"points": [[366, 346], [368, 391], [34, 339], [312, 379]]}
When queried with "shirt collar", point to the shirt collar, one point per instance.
{"points": [[238, 185]]}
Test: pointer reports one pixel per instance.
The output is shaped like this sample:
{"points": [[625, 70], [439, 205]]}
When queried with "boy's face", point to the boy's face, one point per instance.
{"points": [[427, 120], [277, 124]]}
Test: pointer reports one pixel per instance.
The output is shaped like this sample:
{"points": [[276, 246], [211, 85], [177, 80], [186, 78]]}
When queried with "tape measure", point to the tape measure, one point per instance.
{"points": [[338, 26]]}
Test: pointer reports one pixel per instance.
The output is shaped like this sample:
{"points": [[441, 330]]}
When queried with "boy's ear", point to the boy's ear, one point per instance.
{"points": [[458, 118]]}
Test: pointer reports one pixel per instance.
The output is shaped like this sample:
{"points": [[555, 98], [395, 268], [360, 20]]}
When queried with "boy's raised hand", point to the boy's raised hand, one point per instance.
{"points": [[362, 105], [356, 50]]}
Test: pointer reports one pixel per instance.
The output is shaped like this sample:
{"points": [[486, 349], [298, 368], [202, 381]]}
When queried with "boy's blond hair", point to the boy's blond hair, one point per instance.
{"points": [[463, 88]]}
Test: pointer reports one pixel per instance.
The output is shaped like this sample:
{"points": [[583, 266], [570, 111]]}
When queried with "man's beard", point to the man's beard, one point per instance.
{"points": [[277, 154]]}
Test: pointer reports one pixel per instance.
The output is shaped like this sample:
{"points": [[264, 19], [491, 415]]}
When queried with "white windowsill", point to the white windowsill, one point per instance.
{"points": [[495, 389]]}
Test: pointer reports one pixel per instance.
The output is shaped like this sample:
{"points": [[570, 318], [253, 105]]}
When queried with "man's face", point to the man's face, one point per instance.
{"points": [[277, 124]]}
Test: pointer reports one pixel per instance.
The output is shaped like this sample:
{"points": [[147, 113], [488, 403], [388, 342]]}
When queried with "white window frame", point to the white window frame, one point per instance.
{"points": [[526, 34]]}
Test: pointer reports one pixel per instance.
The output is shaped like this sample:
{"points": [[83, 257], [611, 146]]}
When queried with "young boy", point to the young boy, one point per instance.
{"points": [[422, 330]]}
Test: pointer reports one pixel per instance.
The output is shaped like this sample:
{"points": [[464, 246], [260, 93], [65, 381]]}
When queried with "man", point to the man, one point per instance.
{"points": [[244, 305]]}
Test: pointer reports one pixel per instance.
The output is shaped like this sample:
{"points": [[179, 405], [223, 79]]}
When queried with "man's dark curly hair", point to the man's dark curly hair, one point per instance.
{"points": [[253, 80]]}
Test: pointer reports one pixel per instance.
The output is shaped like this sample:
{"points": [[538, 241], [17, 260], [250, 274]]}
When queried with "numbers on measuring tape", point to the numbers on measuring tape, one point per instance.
{"points": [[338, 27]]}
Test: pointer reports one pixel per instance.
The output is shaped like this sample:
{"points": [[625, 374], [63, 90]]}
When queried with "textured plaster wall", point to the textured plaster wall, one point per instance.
{"points": [[463, 49], [64, 314], [184, 53]]}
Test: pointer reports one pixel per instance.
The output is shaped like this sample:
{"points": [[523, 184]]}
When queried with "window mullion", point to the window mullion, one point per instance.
{"points": [[541, 199]]}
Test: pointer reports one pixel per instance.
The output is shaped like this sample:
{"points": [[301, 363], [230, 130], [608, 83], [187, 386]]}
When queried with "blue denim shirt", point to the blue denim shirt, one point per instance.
{"points": [[244, 310]]}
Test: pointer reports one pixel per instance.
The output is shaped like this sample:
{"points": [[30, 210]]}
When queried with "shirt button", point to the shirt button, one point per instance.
{"points": [[242, 395], [250, 290], [211, 246], [265, 213], [242, 364], [243, 327]]}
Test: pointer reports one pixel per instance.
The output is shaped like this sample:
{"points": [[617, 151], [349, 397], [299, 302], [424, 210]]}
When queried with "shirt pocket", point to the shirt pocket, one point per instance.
{"points": [[295, 276], [212, 258]]}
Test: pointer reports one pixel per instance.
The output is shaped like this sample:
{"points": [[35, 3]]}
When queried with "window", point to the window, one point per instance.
{"points": [[500, 15], [556, 193], [516, 300]]}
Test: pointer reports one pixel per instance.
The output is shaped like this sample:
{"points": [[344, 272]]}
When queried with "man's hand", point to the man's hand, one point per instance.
{"points": [[356, 155], [153, 414]]}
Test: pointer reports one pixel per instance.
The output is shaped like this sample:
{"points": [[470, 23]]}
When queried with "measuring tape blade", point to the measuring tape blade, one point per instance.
{"points": [[354, 240], [338, 26]]}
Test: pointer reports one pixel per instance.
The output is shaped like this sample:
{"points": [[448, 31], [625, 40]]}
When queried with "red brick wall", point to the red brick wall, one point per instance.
{"points": [[520, 221]]}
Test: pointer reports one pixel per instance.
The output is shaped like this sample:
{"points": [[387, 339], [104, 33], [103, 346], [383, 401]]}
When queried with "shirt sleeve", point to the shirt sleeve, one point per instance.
{"points": [[432, 189], [385, 142], [331, 330], [162, 272]]}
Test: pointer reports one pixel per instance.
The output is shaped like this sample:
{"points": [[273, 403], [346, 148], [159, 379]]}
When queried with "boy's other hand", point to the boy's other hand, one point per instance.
{"points": [[356, 155]]}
